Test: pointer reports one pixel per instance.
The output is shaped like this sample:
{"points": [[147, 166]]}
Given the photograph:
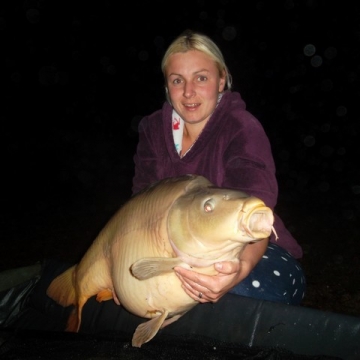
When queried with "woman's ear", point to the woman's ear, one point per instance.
{"points": [[222, 83]]}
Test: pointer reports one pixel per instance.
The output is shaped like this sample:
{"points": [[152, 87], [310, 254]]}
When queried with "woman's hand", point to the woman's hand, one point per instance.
{"points": [[210, 288]]}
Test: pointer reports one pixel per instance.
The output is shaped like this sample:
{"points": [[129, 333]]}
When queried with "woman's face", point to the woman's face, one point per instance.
{"points": [[193, 83]]}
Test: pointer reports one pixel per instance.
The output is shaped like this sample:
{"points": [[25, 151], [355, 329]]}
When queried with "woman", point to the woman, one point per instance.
{"points": [[204, 129]]}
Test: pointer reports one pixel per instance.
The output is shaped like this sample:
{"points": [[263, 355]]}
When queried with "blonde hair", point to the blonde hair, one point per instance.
{"points": [[190, 40]]}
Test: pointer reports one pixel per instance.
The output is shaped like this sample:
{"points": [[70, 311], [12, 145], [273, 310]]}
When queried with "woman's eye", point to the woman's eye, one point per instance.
{"points": [[208, 206], [202, 78]]}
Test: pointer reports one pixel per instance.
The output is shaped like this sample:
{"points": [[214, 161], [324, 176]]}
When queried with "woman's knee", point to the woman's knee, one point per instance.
{"points": [[277, 277]]}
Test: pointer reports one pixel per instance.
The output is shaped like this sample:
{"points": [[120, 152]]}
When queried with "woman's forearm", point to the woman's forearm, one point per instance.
{"points": [[250, 256]]}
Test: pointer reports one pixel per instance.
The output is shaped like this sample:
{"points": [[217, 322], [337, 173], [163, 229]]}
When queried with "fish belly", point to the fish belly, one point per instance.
{"points": [[147, 298]]}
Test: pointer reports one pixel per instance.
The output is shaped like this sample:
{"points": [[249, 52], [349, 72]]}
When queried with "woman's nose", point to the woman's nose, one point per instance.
{"points": [[189, 90]]}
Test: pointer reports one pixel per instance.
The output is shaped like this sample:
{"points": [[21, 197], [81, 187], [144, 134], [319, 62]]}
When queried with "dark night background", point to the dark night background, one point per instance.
{"points": [[76, 78]]}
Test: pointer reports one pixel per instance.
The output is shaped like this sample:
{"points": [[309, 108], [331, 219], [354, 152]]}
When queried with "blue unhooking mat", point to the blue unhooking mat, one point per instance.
{"points": [[32, 327]]}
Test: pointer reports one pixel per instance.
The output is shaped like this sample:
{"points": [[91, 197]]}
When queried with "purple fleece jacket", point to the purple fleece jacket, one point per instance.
{"points": [[233, 151]]}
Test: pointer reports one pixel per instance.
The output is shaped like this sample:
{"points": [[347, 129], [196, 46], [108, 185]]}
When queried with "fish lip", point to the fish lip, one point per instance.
{"points": [[257, 222]]}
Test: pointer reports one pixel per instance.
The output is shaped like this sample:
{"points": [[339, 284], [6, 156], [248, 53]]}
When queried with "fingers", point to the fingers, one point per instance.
{"points": [[196, 291], [227, 267], [209, 288]]}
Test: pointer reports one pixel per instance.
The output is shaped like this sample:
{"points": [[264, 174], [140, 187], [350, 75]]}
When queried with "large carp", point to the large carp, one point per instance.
{"points": [[184, 221]]}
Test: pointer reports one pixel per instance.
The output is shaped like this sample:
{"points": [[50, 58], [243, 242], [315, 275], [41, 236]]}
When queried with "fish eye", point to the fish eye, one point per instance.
{"points": [[208, 206]]}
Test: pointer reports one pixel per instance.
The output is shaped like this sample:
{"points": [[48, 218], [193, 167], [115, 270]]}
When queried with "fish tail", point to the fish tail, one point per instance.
{"points": [[62, 290], [72, 323], [74, 319]]}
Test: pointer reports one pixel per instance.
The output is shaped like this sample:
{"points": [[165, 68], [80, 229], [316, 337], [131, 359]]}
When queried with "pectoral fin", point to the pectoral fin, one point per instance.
{"points": [[147, 330], [146, 268]]}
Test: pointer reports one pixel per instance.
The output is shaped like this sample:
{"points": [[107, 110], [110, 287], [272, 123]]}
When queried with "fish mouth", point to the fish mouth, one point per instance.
{"points": [[257, 221]]}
